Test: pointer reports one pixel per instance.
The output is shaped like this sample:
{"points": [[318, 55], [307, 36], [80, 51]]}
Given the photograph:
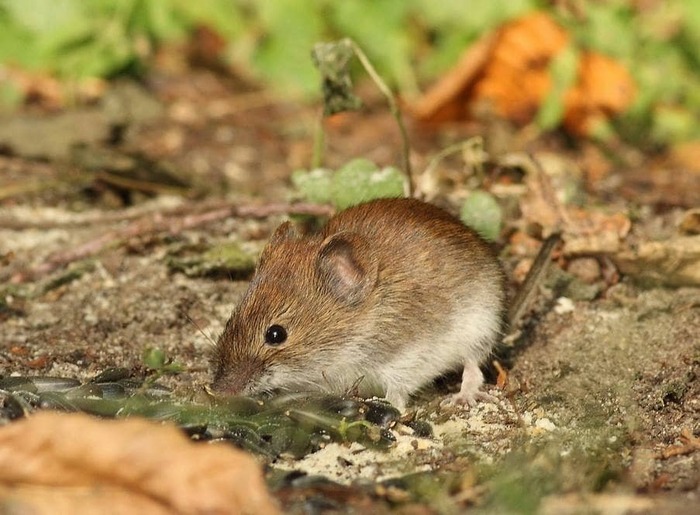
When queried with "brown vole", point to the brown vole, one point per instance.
{"points": [[395, 291]]}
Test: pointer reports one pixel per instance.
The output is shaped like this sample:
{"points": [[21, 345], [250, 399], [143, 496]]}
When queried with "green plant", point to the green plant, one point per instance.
{"points": [[101, 38], [659, 42], [409, 41], [156, 360], [358, 181]]}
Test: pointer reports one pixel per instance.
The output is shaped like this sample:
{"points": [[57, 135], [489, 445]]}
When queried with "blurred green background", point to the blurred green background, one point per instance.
{"points": [[410, 41]]}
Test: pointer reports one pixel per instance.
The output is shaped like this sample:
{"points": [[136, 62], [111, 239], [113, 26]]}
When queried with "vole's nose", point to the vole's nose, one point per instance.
{"points": [[228, 384], [232, 380]]}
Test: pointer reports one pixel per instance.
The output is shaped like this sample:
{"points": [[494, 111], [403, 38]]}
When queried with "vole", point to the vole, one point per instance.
{"points": [[395, 292]]}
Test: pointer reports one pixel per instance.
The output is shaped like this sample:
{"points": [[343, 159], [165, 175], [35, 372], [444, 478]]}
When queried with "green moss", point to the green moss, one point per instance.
{"points": [[225, 260]]}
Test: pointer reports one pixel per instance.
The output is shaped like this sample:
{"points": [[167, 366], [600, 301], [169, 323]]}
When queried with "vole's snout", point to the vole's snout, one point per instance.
{"points": [[226, 385], [235, 380]]}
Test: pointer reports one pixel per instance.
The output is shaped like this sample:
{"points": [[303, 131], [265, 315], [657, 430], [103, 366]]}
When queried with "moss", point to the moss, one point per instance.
{"points": [[518, 483], [225, 260]]}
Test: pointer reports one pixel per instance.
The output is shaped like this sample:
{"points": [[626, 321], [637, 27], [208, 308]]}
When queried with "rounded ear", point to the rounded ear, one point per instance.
{"points": [[347, 267], [284, 232]]}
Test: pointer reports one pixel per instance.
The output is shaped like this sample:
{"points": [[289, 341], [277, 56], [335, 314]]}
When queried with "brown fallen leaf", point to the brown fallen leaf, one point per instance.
{"points": [[672, 262], [502, 378], [594, 232], [510, 69], [690, 223], [689, 444], [583, 231], [604, 89], [517, 77], [87, 465], [447, 99]]}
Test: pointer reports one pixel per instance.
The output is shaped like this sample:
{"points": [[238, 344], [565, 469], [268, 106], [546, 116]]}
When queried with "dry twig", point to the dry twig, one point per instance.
{"points": [[170, 224]]}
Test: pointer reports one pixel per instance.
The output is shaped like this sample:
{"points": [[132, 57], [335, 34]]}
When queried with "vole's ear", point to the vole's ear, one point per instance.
{"points": [[284, 232], [347, 267]]}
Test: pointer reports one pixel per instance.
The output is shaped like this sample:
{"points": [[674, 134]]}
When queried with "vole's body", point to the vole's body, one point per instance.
{"points": [[396, 292]]}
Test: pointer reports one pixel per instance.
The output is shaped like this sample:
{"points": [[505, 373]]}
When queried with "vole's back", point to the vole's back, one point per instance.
{"points": [[394, 292], [422, 247], [439, 295]]}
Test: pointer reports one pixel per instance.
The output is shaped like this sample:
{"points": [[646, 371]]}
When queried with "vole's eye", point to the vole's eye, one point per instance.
{"points": [[275, 335]]}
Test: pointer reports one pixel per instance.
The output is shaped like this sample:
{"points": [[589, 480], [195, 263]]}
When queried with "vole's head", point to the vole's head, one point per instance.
{"points": [[299, 314]]}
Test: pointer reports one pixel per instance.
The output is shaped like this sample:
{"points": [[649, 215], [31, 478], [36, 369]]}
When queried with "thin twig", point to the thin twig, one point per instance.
{"points": [[395, 111], [527, 290], [171, 224], [319, 144]]}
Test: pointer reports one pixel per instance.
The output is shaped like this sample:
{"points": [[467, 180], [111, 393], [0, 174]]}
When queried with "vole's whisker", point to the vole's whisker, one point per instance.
{"points": [[196, 326]]}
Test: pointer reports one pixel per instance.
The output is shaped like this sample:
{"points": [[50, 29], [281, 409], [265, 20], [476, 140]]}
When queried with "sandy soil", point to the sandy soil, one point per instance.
{"points": [[602, 408]]}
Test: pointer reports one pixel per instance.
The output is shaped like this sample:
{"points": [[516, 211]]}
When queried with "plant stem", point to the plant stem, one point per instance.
{"points": [[319, 143], [395, 111]]}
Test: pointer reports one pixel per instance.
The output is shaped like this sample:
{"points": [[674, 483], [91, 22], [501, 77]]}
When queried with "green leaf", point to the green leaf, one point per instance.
{"points": [[16, 43], [482, 213], [154, 358], [315, 185], [608, 28], [10, 98], [291, 27], [380, 27], [40, 16], [359, 165], [159, 20], [227, 18], [564, 71], [360, 181]]}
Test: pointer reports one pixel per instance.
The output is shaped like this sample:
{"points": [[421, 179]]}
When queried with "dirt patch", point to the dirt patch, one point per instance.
{"points": [[602, 409]]}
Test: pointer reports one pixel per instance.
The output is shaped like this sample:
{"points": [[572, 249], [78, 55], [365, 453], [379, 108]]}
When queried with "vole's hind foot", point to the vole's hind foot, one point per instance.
{"points": [[470, 392], [470, 400]]}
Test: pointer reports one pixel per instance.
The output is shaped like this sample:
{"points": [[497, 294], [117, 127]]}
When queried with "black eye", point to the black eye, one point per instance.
{"points": [[275, 334]]}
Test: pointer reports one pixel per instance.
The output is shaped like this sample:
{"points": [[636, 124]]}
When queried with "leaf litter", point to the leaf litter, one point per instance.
{"points": [[591, 388]]}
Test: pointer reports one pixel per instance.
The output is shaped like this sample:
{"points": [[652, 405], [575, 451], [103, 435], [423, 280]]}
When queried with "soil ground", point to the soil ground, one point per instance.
{"points": [[602, 408]]}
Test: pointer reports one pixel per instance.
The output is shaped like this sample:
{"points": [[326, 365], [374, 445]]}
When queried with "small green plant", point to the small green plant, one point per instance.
{"points": [[157, 361], [481, 212], [358, 181], [332, 61]]}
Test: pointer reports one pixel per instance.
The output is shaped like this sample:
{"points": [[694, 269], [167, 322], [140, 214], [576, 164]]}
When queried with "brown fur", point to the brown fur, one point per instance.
{"points": [[380, 278]]}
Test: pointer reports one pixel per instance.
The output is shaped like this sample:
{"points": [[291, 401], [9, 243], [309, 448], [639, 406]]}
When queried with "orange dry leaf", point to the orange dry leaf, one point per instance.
{"points": [[516, 78], [36, 88], [604, 89], [510, 70], [502, 378], [73, 463]]}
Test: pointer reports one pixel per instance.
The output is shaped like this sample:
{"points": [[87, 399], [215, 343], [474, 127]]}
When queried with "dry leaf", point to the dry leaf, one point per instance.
{"points": [[690, 222], [686, 155], [604, 89], [593, 232], [584, 232], [510, 68], [502, 378], [517, 77], [673, 262], [447, 99], [82, 464]]}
